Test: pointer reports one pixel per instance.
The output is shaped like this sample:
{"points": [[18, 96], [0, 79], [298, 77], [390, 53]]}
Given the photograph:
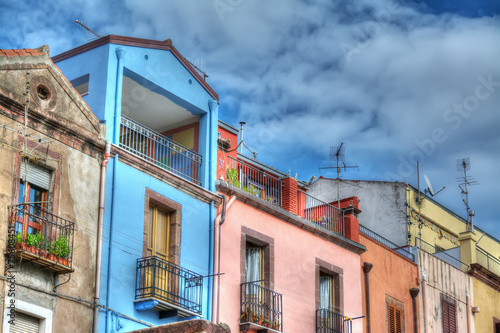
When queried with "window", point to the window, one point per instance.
{"points": [[34, 187], [394, 318], [29, 318], [329, 297], [81, 84], [448, 306], [254, 266], [394, 315], [159, 233], [25, 324]]}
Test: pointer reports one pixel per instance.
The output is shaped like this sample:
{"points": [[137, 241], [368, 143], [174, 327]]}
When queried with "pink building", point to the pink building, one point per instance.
{"points": [[288, 262]]}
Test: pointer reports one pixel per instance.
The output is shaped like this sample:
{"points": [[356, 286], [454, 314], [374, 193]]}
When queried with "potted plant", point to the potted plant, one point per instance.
{"points": [[60, 250], [32, 242], [276, 326]]}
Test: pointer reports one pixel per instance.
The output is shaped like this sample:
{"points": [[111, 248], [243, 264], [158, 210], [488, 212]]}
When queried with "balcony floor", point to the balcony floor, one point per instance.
{"points": [[165, 306], [43, 262]]}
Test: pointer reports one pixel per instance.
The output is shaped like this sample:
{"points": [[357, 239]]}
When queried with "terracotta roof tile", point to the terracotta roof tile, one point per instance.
{"points": [[20, 53]]}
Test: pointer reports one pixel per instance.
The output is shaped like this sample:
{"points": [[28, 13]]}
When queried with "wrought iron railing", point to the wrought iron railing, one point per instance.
{"points": [[423, 245], [320, 213], [487, 261], [373, 235], [328, 321], [254, 181], [261, 306], [160, 150], [38, 232], [165, 281]]}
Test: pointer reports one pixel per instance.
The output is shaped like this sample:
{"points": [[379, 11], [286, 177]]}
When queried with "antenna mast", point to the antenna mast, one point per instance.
{"points": [[338, 153], [464, 164]]}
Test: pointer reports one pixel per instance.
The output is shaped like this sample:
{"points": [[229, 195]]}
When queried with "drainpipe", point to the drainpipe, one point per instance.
{"points": [[110, 246], [120, 53], [467, 298], [222, 219], [212, 107], [242, 123], [367, 268], [100, 222], [414, 294]]}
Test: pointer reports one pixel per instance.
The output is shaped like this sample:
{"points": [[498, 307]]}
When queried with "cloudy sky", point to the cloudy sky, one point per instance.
{"points": [[396, 81]]}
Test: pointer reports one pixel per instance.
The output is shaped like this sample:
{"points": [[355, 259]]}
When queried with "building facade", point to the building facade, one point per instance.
{"points": [[160, 198], [51, 148], [287, 261]]}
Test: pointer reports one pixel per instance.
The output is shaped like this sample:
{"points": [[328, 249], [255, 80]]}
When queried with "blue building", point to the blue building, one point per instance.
{"points": [[160, 199]]}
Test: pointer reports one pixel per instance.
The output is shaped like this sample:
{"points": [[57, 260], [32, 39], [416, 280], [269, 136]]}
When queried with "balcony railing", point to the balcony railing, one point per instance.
{"points": [[160, 150], [373, 235], [328, 321], [441, 254], [320, 213], [487, 261], [254, 181], [261, 307], [42, 237], [171, 286]]}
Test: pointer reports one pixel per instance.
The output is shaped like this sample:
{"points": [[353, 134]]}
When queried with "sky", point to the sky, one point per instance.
{"points": [[396, 81]]}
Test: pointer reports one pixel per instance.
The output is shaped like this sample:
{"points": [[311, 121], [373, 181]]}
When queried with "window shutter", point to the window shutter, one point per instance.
{"points": [[399, 328], [36, 175], [449, 317], [25, 324], [391, 324]]}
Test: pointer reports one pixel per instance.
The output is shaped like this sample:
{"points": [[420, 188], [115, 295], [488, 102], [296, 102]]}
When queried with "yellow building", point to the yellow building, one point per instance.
{"points": [[444, 233]]}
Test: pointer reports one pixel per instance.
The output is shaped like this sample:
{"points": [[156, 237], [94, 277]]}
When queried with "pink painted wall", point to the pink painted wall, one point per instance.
{"points": [[295, 253]]}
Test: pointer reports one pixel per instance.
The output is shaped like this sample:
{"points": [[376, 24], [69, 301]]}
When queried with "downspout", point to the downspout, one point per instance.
{"points": [[120, 53], [110, 247], [100, 222], [222, 219], [212, 110], [367, 268], [467, 298], [414, 294]]}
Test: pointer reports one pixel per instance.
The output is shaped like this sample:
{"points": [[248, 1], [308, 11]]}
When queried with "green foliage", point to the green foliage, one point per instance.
{"points": [[232, 177], [60, 247], [19, 237], [35, 240]]}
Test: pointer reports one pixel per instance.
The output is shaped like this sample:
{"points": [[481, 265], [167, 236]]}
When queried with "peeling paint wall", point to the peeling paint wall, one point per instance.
{"points": [[441, 279]]}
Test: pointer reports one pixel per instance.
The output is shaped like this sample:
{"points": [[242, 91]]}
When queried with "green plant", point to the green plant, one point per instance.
{"points": [[60, 247], [19, 237], [35, 240], [232, 177]]}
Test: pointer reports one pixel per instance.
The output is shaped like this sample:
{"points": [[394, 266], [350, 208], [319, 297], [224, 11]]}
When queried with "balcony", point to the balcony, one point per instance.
{"points": [[443, 255], [38, 236], [486, 260], [165, 153], [168, 288], [376, 237], [332, 322], [261, 308], [254, 181], [320, 213]]}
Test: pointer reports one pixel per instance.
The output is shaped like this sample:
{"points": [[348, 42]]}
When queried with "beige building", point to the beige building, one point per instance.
{"points": [[51, 153]]}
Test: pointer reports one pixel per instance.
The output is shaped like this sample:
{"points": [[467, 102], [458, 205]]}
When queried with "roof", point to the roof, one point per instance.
{"points": [[138, 42], [20, 53], [228, 127]]}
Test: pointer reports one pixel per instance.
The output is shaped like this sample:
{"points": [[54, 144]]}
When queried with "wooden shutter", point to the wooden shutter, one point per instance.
{"points": [[449, 317], [25, 324], [394, 319]]}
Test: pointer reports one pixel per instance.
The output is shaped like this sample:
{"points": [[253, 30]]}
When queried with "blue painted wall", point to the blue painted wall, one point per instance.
{"points": [[125, 190], [127, 243]]}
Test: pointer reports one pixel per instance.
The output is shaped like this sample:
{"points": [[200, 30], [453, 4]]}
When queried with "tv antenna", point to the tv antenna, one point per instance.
{"points": [[338, 154], [89, 31], [429, 188], [465, 182]]}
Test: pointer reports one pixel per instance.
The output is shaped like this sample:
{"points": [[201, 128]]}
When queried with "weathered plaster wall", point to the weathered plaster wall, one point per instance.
{"points": [[382, 203], [295, 253], [444, 279], [391, 275], [488, 301]]}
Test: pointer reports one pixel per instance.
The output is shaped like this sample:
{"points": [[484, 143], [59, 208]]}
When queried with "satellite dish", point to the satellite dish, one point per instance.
{"points": [[429, 185]]}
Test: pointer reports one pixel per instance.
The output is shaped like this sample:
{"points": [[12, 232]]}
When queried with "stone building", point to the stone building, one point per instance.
{"points": [[51, 151]]}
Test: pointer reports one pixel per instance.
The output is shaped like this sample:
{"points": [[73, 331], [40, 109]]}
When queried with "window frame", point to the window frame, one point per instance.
{"points": [[174, 209], [250, 236], [398, 306], [323, 267]]}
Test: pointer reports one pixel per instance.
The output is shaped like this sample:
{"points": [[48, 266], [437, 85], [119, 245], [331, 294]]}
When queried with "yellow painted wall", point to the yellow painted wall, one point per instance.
{"points": [[185, 138], [441, 227], [488, 300]]}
